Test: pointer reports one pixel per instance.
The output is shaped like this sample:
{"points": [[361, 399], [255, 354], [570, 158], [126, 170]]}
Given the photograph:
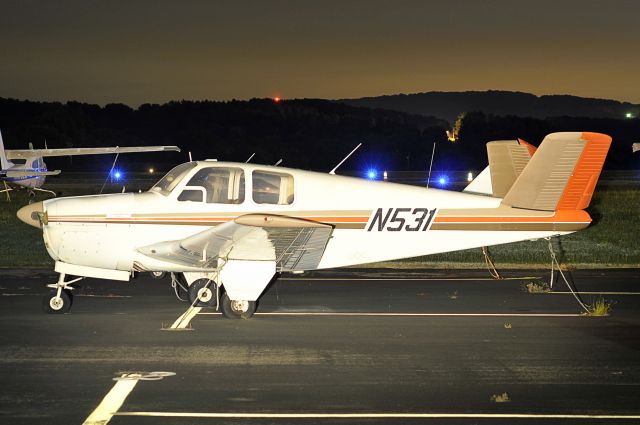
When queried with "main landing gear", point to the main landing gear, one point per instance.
{"points": [[232, 309], [60, 298], [205, 292]]}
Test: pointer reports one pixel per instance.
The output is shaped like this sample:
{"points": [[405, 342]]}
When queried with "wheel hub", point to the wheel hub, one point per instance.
{"points": [[240, 306], [205, 294], [56, 303]]}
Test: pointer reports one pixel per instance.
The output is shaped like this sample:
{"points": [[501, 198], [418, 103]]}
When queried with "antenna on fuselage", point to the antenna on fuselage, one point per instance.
{"points": [[190, 159], [433, 153], [111, 170], [278, 163], [252, 155], [345, 158]]}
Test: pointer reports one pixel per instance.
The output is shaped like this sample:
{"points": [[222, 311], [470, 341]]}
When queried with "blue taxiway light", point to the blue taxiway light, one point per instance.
{"points": [[372, 174], [443, 180]]}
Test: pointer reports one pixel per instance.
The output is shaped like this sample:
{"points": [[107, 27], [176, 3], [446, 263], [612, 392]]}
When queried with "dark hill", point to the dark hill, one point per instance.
{"points": [[447, 105]]}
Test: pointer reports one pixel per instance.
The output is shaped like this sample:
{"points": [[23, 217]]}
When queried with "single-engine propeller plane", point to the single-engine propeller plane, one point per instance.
{"points": [[230, 227], [25, 168]]}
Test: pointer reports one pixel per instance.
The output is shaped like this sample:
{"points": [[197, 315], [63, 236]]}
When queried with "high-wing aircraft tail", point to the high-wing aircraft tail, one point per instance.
{"points": [[562, 174], [3, 156]]}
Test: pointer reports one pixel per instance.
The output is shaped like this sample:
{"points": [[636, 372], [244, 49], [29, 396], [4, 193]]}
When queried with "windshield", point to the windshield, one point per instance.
{"points": [[172, 178]]}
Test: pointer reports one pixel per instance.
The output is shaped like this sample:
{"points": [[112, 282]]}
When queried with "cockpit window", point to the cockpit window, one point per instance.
{"points": [[217, 185], [172, 178]]}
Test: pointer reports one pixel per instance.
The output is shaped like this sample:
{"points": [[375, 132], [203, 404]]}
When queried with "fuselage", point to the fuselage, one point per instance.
{"points": [[26, 165], [373, 220]]}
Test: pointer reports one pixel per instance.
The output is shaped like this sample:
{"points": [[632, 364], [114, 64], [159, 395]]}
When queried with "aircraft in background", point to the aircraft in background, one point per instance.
{"points": [[230, 227], [26, 168]]}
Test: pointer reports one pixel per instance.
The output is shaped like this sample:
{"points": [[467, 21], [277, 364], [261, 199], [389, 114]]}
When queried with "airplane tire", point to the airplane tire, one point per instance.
{"points": [[236, 309], [54, 305], [158, 275], [202, 293]]}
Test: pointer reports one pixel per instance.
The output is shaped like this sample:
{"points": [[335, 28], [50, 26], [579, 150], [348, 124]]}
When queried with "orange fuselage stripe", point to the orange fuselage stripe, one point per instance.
{"points": [[574, 216], [558, 217]]}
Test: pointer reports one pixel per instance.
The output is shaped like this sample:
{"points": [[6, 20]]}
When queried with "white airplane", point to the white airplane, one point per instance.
{"points": [[26, 168], [230, 227]]}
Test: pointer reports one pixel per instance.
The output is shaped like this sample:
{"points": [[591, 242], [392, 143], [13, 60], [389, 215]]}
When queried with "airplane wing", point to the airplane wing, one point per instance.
{"points": [[29, 153], [295, 244], [27, 173]]}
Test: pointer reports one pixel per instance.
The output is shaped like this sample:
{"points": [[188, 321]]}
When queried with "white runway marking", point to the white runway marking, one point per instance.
{"points": [[112, 401], [408, 279], [241, 415], [595, 293], [410, 314], [83, 296], [183, 321]]}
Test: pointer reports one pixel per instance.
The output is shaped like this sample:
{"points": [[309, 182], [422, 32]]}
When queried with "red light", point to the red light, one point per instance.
{"points": [[277, 99]]}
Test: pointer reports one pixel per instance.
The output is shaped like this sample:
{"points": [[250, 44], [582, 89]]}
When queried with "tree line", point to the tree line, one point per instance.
{"points": [[306, 133]]}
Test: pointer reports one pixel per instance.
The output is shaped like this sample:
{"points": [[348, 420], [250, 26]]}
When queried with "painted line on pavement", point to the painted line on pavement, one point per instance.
{"points": [[113, 400], [240, 415], [82, 296], [408, 279], [111, 403], [595, 293], [409, 314]]}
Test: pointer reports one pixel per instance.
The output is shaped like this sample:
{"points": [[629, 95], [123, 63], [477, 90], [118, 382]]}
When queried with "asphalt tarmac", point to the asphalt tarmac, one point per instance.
{"points": [[334, 347]]}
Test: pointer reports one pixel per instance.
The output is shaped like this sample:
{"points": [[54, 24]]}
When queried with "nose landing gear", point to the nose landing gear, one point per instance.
{"points": [[55, 303], [60, 298]]}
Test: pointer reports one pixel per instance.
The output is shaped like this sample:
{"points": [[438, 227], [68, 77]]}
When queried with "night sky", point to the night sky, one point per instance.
{"points": [[155, 51]]}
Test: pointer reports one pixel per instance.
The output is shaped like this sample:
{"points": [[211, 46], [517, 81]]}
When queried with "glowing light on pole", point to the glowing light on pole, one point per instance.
{"points": [[116, 175]]}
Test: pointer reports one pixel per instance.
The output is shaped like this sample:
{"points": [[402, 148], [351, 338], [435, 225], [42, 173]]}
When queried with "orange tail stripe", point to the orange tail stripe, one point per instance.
{"points": [[579, 190]]}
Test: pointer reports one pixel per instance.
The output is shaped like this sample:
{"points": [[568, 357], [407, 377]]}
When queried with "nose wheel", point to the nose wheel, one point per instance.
{"points": [[59, 300], [57, 303]]}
